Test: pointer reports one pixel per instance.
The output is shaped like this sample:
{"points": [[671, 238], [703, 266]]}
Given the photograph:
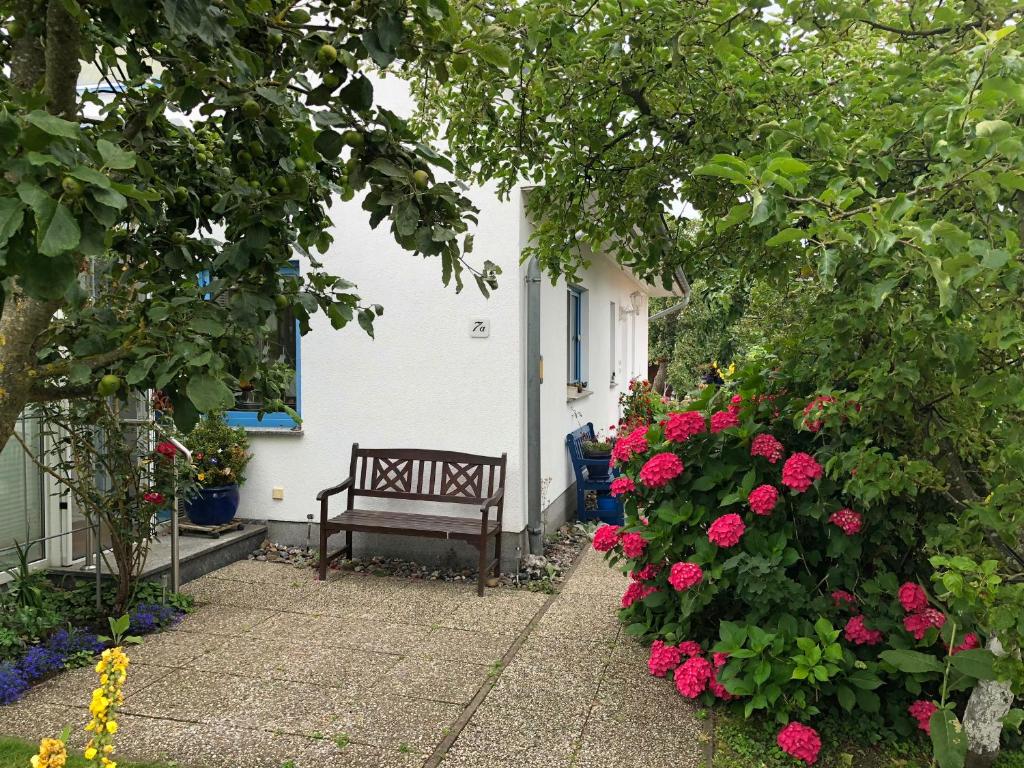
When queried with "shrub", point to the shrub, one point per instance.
{"points": [[799, 576]]}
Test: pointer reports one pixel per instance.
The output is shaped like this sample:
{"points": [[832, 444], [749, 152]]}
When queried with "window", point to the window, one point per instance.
{"points": [[612, 330], [576, 325]]}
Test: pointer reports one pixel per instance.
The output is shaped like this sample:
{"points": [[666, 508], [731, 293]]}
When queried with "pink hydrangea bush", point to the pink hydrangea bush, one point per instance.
{"points": [[774, 544], [622, 485]]}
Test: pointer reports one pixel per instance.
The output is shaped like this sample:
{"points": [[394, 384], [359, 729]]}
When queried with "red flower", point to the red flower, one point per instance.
{"points": [[841, 597], [690, 648], [633, 545], [718, 661], [848, 520], [152, 497], [800, 741], [727, 530], [621, 485], [919, 623], [767, 446], [663, 659], [723, 420], [817, 406], [969, 644], [649, 571], [800, 471], [633, 443], [922, 711], [681, 426], [685, 575], [167, 450], [606, 537], [636, 591], [692, 676], [858, 634], [763, 499], [913, 597], [660, 469]]}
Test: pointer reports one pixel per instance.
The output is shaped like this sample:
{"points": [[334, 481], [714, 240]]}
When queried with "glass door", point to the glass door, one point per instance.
{"points": [[22, 498]]}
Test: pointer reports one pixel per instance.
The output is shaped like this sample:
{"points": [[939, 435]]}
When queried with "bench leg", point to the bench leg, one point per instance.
{"points": [[322, 573], [497, 554], [348, 545], [483, 567]]}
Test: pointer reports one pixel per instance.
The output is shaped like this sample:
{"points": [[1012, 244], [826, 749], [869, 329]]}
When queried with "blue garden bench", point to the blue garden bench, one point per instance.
{"points": [[592, 475]]}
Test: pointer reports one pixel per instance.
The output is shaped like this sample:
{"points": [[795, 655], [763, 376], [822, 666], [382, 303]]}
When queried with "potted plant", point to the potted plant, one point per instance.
{"points": [[220, 454], [598, 448]]}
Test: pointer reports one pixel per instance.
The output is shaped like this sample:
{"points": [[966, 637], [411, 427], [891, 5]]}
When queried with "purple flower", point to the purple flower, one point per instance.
{"points": [[66, 642], [12, 683], [38, 662], [150, 617]]}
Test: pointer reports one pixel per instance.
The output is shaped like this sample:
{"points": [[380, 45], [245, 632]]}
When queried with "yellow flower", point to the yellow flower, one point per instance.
{"points": [[202, 476], [52, 754], [90, 753], [108, 748], [112, 727]]}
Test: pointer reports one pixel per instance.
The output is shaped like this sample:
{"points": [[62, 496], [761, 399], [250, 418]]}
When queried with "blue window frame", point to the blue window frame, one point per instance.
{"points": [[574, 325], [287, 346]]}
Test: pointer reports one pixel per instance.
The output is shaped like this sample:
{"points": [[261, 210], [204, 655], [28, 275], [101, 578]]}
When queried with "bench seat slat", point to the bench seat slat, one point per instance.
{"points": [[384, 521]]}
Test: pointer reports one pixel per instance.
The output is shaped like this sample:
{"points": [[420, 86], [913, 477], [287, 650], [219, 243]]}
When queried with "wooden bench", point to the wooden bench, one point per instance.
{"points": [[419, 475]]}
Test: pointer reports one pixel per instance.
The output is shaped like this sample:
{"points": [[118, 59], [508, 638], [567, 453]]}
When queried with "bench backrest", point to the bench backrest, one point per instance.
{"points": [[574, 442], [425, 475]]}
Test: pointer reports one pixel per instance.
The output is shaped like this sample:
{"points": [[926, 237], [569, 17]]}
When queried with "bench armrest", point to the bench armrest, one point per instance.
{"points": [[494, 499], [326, 492]]}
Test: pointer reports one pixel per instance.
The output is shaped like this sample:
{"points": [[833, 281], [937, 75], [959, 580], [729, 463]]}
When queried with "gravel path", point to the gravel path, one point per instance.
{"points": [[275, 669]]}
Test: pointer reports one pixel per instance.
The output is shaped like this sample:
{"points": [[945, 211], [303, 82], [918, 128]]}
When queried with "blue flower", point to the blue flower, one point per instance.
{"points": [[150, 617], [67, 642], [12, 683], [38, 662]]}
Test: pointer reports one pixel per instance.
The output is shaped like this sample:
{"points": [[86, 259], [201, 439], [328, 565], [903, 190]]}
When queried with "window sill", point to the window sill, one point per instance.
{"points": [[274, 431], [571, 393]]}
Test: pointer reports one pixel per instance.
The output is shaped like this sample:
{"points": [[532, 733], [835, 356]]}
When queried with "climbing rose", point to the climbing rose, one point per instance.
{"points": [[660, 469], [690, 648], [919, 623], [767, 446], [800, 741], [693, 676], [606, 537], [664, 658], [913, 597], [723, 420], [922, 711], [621, 485], [800, 471], [153, 497], [763, 499], [633, 545], [969, 644], [817, 406], [681, 426], [858, 634], [633, 443], [727, 530], [167, 450], [636, 591], [841, 596], [685, 575], [848, 520], [649, 571]]}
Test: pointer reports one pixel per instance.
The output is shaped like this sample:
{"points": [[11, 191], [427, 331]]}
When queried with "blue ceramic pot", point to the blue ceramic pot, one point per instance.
{"points": [[216, 505]]}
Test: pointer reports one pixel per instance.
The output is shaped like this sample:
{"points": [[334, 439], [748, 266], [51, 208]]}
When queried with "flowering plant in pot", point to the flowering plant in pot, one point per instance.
{"points": [[220, 454]]}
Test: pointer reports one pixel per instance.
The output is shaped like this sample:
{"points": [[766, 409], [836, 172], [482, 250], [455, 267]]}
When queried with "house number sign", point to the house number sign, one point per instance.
{"points": [[479, 329]]}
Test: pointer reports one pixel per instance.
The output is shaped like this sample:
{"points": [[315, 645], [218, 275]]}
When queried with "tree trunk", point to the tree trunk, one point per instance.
{"points": [[990, 701], [660, 376]]}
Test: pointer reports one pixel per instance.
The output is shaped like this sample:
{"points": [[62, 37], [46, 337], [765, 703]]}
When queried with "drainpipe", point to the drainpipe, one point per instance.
{"points": [[533, 372]]}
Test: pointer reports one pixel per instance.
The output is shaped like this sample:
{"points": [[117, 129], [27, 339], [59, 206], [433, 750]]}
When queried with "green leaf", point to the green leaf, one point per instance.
{"points": [[942, 280], [58, 231], [788, 235], [847, 698], [329, 143], [721, 171], [209, 393], [208, 326], [912, 661], [636, 629], [993, 129], [949, 742], [52, 124], [115, 157], [494, 54], [12, 214], [976, 662], [881, 290], [788, 166]]}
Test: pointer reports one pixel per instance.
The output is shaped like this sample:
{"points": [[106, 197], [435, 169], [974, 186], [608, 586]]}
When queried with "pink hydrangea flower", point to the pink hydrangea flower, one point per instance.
{"points": [[727, 530], [922, 711], [679, 427], [633, 545], [636, 591], [800, 741], [719, 660], [858, 634], [767, 447], [849, 521], [621, 485], [692, 676], [606, 537], [814, 411], [685, 575], [633, 443], [646, 573], [969, 644], [660, 469], [919, 623], [800, 471], [690, 648], [912, 597], [663, 659], [762, 500], [842, 597], [723, 420]]}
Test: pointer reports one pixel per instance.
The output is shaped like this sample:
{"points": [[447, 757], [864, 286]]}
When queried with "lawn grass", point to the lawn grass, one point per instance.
{"points": [[16, 753]]}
